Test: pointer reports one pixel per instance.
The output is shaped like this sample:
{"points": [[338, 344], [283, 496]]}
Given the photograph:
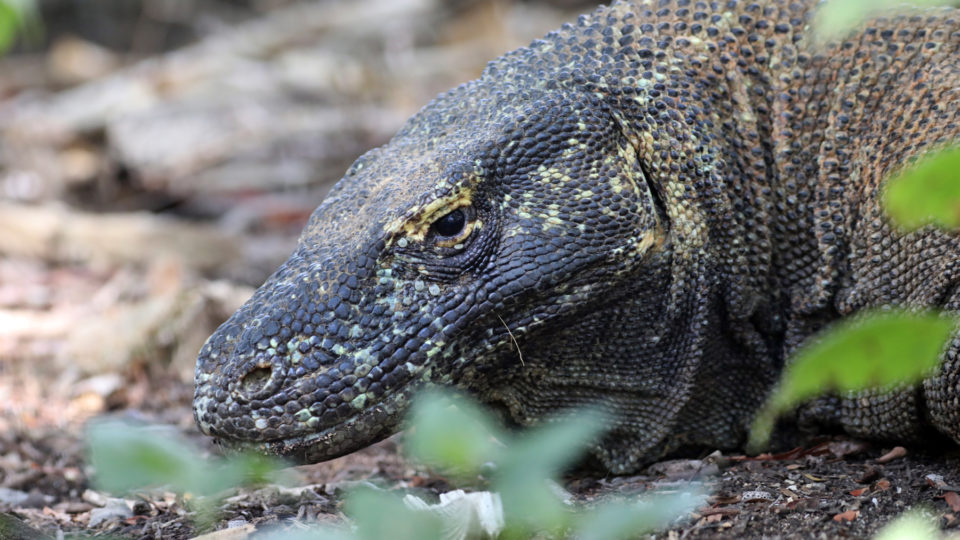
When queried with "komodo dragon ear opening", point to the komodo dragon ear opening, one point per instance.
{"points": [[659, 206], [643, 177]]}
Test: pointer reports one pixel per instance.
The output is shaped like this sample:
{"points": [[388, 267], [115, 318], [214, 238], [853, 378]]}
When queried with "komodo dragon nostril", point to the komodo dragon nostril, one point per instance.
{"points": [[255, 380]]}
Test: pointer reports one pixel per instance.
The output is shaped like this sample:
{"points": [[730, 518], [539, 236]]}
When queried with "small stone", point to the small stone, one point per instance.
{"points": [[115, 509], [13, 497], [756, 496]]}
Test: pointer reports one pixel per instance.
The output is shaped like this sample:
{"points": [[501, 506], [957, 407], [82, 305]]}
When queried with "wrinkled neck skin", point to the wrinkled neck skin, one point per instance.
{"points": [[619, 189]]}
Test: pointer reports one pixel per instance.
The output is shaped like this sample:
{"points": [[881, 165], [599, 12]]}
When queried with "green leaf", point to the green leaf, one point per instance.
{"points": [[379, 514], [879, 350], [128, 457], [541, 454], [531, 505], [927, 192], [548, 448], [248, 468], [9, 22], [628, 519], [912, 525], [306, 533], [836, 18], [458, 438]]}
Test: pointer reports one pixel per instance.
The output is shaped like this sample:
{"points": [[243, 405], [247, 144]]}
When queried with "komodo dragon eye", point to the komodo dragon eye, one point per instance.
{"points": [[451, 224]]}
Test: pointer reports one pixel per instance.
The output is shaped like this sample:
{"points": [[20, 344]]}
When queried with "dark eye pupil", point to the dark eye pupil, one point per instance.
{"points": [[450, 224]]}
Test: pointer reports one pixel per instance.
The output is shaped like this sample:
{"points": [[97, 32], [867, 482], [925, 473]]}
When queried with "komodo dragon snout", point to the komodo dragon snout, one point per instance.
{"points": [[438, 259]]}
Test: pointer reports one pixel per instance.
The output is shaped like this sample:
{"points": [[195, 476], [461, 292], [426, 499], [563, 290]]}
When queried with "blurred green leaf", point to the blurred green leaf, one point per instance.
{"points": [[379, 515], [128, 457], [545, 450], [463, 437], [912, 525], [541, 454], [458, 438], [20, 19], [835, 18], [627, 519], [307, 533], [879, 350], [253, 469], [10, 20], [530, 506], [927, 192]]}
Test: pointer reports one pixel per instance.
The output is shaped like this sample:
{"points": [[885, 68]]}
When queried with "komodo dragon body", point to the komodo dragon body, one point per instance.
{"points": [[652, 207]]}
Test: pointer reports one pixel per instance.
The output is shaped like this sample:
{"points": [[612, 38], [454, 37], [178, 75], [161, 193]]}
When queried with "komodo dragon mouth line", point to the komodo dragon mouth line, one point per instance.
{"points": [[321, 445], [656, 204]]}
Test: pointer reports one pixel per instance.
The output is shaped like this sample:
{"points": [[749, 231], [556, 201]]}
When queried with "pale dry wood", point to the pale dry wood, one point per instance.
{"points": [[283, 102], [131, 316], [252, 91], [55, 233]]}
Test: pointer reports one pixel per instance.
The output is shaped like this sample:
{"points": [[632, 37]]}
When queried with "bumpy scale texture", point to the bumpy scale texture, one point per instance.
{"points": [[656, 205]]}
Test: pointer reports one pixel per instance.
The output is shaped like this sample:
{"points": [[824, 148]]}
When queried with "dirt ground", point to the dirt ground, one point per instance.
{"points": [[157, 161]]}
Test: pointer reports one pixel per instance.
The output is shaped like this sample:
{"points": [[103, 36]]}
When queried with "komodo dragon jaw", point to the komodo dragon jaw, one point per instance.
{"points": [[430, 262], [657, 205]]}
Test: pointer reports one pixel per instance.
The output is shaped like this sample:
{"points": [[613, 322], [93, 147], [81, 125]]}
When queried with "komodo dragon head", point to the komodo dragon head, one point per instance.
{"points": [[497, 213], [489, 246]]}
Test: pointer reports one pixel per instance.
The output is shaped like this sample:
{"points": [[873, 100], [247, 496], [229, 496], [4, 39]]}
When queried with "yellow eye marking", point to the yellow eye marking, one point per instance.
{"points": [[415, 224]]}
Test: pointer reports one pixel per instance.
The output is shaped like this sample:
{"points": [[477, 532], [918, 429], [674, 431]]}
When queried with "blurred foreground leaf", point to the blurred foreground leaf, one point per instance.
{"points": [[835, 18], [459, 438], [927, 192], [19, 18], [309, 532], [127, 457], [379, 514], [627, 519], [879, 350], [912, 525], [524, 473], [549, 448], [10, 20]]}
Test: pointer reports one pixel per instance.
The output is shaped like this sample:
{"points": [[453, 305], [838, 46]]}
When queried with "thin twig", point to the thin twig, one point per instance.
{"points": [[515, 344]]}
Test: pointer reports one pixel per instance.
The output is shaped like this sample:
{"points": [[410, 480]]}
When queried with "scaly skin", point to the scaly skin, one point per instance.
{"points": [[660, 203]]}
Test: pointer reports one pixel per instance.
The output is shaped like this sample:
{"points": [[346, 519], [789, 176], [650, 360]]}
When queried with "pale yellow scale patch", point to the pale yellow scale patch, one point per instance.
{"points": [[685, 217], [616, 185], [552, 176], [551, 221], [643, 244]]}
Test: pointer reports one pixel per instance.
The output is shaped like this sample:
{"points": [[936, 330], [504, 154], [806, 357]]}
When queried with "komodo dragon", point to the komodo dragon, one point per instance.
{"points": [[656, 205]]}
